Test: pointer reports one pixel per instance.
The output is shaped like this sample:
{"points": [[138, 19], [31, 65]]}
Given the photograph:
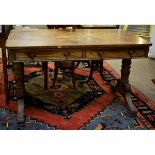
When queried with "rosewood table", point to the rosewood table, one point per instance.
{"points": [[30, 45]]}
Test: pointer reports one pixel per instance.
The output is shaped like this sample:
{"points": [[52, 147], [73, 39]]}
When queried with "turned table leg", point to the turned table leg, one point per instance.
{"points": [[124, 86], [18, 68], [4, 59], [45, 70]]}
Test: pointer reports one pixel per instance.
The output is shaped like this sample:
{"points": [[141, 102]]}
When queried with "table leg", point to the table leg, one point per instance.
{"points": [[124, 86], [45, 70], [4, 59], [18, 68]]}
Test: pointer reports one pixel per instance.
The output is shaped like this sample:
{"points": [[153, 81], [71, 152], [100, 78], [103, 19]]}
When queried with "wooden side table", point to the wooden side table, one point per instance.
{"points": [[31, 45]]}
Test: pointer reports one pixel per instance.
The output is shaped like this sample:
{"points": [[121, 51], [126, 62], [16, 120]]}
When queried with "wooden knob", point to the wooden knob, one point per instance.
{"points": [[66, 53], [31, 55], [100, 53], [130, 53]]}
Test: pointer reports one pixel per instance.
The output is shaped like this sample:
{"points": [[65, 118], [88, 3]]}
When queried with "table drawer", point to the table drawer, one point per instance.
{"points": [[116, 53], [64, 54], [94, 53], [124, 53]]}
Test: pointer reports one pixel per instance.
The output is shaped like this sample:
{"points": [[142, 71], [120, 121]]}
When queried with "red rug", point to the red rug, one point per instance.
{"points": [[78, 118], [81, 117]]}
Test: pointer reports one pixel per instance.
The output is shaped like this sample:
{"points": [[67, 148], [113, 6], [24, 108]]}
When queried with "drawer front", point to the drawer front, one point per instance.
{"points": [[125, 53], [46, 55], [94, 54], [116, 53]]}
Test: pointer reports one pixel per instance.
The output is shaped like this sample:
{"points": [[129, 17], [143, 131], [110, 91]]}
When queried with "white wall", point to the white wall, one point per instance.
{"points": [[152, 48]]}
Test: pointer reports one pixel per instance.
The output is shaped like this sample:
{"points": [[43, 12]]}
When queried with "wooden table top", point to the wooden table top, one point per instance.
{"points": [[100, 26], [55, 38]]}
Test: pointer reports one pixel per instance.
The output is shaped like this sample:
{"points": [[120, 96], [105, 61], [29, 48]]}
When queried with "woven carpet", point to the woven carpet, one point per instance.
{"points": [[94, 105]]}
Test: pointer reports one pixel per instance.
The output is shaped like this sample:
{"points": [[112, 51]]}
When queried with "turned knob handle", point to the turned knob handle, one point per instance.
{"points": [[31, 55], [130, 53], [66, 53], [100, 53]]}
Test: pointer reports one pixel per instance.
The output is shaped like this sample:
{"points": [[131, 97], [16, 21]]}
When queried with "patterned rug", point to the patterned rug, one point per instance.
{"points": [[94, 105]]}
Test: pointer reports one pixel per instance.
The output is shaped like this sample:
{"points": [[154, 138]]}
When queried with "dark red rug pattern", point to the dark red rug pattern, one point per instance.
{"points": [[77, 118], [145, 117]]}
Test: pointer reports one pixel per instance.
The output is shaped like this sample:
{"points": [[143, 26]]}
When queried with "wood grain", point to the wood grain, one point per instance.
{"points": [[55, 38]]}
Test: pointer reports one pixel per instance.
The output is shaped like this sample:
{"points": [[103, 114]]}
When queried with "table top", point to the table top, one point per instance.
{"points": [[56, 38], [100, 26]]}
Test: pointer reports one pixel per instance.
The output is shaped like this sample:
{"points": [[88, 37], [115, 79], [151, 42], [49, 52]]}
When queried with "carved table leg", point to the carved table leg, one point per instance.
{"points": [[18, 68], [124, 86], [4, 59], [45, 70]]}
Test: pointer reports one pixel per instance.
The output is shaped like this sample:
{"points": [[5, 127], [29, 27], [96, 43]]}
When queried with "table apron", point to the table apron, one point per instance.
{"points": [[75, 54]]}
